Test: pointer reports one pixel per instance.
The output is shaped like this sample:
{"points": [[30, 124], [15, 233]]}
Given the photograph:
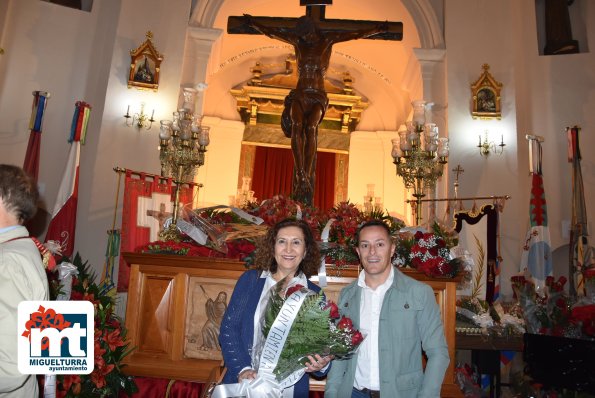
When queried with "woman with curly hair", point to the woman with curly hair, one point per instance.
{"points": [[289, 254]]}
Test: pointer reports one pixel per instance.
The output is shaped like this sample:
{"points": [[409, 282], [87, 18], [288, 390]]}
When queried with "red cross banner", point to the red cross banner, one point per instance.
{"points": [[148, 203]]}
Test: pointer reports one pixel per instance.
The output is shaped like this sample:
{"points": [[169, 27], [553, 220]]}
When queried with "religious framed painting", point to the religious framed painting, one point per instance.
{"points": [[485, 93], [145, 65]]}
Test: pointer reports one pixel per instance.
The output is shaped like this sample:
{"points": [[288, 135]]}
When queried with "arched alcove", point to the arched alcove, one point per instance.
{"points": [[389, 74]]}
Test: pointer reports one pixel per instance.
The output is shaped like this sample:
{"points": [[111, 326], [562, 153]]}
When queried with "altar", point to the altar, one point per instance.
{"points": [[172, 301]]}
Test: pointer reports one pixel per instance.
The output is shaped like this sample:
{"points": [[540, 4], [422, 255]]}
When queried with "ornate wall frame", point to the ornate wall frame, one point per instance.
{"points": [[486, 96], [145, 65]]}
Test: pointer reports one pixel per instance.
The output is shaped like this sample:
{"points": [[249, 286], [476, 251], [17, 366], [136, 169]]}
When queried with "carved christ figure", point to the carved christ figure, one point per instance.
{"points": [[306, 104]]}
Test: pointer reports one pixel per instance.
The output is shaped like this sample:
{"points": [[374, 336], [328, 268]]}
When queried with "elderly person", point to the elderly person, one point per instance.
{"points": [[22, 275], [288, 253]]}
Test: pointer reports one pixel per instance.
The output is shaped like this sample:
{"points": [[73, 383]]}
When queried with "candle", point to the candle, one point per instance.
{"points": [[479, 140], [152, 114], [502, 142], [128, 111]]}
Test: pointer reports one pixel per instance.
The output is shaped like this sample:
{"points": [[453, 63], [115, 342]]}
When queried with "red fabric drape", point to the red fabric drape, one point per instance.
{"points": [[324, 194], [141, 185], [273, 173], [149, 387], [31, 163]]}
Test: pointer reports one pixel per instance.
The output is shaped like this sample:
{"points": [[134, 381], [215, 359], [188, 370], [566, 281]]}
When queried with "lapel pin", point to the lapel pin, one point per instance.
{"points": [[406, 305]]}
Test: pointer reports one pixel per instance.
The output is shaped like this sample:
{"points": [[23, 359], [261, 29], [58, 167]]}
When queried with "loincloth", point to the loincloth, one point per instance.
{"points": [[306, 98]]}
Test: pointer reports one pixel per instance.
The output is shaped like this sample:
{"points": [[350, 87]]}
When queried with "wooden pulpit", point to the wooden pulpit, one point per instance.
{"points": [[172, 301]]}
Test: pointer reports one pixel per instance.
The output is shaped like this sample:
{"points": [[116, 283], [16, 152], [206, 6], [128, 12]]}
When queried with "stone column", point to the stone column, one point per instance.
{"points": [[433, 72], [197, 51]]}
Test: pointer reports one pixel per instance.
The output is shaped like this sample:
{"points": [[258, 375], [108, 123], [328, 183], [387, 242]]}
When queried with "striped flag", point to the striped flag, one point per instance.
{"points": [[31, 163], [63, 223], [536, 257], [581, 253]]}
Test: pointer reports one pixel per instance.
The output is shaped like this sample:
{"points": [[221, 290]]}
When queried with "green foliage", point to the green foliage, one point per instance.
{"points": [[107, 378], [308, 335]]}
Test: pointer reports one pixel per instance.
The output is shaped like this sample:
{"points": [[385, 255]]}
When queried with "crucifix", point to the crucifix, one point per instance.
{"points": [[312, 36], [458, 170]]}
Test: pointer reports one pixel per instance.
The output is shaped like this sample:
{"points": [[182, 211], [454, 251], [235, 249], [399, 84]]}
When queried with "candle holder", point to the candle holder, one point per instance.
{"points": [[141, 119], [486, 147], [183, 143], [419, 155]]}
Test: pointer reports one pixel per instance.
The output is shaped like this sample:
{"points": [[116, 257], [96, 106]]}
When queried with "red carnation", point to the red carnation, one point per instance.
{"points": [[356, 338], [293, 289], [345, 323], [419, 235], [333, 310]]}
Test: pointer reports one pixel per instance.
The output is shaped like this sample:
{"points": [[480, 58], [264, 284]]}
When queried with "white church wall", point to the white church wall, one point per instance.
{"points": [[219, 175], [119, 145], [56, 49], [476, 34], [541, 95], [370, 162]]}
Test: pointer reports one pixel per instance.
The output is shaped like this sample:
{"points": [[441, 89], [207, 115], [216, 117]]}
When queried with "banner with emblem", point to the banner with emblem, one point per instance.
{"points": [[536, 257], [148, 203]]}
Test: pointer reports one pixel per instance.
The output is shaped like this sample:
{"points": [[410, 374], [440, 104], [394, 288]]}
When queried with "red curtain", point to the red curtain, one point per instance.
{"points": [[324, 194], [157, 388], [273, 172]]}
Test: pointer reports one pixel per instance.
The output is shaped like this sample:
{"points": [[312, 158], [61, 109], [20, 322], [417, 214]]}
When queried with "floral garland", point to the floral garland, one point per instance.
{"points": [[429, 253], [107, 378]]}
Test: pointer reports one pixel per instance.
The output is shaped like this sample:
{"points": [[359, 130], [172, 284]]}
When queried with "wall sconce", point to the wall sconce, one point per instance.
{"points": [[141, 119], [486, 147]]}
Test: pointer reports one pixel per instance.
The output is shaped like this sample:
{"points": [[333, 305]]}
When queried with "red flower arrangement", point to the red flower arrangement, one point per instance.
{"points": [[107, 378], [316, 329], [554, 313], [338, 251]]}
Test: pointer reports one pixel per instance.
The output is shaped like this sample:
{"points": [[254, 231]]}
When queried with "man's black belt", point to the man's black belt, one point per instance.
{"points": [[369, 393]]}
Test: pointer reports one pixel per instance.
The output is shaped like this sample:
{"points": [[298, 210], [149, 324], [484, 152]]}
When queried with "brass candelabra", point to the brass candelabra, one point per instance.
{"points": [[183, 142], [419, 155]]}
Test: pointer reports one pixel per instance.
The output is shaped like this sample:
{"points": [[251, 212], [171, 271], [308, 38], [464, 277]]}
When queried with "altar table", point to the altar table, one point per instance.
{"points": [[171, 299]]}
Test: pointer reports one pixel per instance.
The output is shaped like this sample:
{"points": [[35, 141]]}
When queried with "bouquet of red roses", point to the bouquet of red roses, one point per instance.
{"points": [[313, 327]]}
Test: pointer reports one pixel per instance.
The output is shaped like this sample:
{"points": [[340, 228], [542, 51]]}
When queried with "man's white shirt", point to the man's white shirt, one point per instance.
{"points": [[367, 373]]}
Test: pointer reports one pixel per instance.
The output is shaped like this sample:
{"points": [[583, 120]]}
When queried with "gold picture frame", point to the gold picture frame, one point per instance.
{"points": [[145, 65], [486, 96]]}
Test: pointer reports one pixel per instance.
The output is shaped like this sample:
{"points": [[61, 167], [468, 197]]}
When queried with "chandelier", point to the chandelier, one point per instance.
{"points": [[183, 142], [419, 155]]}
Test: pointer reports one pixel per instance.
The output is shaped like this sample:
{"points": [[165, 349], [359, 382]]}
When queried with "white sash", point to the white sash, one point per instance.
{"points": [[265, 385]]}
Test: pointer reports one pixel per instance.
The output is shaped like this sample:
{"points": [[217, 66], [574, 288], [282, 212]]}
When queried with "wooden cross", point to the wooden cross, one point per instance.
{"points": [[316, 10], [161, 216], [312, 36]]}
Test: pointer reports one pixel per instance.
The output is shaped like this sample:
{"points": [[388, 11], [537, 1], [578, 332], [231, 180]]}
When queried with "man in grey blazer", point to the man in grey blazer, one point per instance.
{"points": [[399, 317]]}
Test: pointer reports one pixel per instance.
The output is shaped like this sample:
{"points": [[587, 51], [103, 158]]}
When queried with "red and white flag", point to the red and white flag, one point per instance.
{"points": [[62, 226]]}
